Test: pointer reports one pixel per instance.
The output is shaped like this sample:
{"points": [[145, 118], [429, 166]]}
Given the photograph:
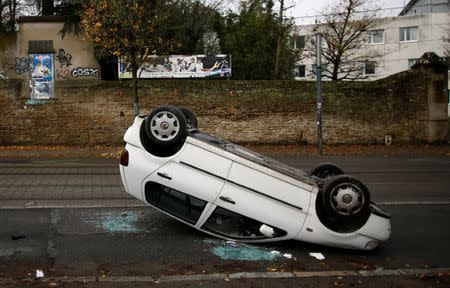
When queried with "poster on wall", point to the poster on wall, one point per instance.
{"points": [[42, 76], [180, 66]]}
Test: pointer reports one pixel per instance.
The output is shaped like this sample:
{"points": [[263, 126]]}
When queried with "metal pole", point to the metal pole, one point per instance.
{"points": [[319, 91]]}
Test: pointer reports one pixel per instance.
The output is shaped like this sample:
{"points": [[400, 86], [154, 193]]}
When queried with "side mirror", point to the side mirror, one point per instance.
{"points": [[267, 231]]}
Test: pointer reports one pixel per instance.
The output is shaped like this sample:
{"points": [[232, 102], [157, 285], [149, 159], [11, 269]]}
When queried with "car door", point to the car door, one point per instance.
{"points": [[252, 198], [188, 184]]}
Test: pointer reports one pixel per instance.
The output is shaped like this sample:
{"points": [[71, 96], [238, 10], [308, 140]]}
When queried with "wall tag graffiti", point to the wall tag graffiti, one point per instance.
{"points": [[22, 65], [64, 58], [62, 74], [84, 72], [2, 74]]}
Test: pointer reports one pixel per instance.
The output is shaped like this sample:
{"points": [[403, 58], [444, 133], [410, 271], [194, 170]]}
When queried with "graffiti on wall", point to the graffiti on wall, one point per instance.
{"points": [[63, 67], [22, 65], [62, 74], [84, 72], [2, 73], [63, 58]]}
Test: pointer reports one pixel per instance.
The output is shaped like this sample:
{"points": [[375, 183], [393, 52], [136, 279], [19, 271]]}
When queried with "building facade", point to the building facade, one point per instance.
{"points": [[397, 42], [37, 52]]}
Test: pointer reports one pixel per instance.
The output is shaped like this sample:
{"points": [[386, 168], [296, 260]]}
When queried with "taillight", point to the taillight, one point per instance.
{"points": [[124, 158]]}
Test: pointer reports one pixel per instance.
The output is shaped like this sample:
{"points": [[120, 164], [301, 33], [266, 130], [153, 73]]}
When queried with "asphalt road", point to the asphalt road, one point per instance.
{"points": [[142, 241], [389, 179]]}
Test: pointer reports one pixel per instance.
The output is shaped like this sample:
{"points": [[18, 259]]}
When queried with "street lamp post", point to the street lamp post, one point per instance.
{"points": [[319, 91]]}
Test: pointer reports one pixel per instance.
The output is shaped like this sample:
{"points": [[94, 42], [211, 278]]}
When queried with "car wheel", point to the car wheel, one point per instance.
{"points": [[326, 170], [346, 200], [166, 126], [191, 118]]}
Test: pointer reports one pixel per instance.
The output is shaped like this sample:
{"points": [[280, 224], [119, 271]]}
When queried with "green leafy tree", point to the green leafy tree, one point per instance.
{"points": [[71, 10], [284, 55], [191, 21], [133, 29], [250, 41], [258, 42]]}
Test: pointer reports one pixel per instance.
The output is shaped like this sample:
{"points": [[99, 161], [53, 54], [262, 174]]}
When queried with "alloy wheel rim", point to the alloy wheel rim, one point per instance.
{"points": [[164, 126], [347, 199]]}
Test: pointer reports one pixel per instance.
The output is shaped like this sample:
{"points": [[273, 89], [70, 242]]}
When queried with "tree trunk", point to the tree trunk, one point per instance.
{"points": [[334, 76], [134, 85], [276, 70], [336, 65]]}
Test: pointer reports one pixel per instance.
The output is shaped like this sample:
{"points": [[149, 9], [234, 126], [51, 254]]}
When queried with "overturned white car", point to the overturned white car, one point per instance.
{"points": [[230, 192]]}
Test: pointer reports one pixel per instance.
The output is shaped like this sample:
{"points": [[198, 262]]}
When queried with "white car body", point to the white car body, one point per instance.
{"points": [[226, 176]]}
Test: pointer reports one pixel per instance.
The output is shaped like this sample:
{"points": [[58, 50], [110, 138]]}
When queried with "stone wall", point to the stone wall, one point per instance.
{"points": [[93, 112]]}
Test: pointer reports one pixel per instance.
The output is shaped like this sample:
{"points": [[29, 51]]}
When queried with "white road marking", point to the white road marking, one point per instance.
{"points": [[396, 203]]}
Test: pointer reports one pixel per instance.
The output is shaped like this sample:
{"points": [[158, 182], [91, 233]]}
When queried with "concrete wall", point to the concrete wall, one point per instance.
{"points": [[8, 54], [90, 112]]}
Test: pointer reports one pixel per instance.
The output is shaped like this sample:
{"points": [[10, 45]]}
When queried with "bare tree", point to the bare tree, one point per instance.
{"points": [[446, 39], [345, 32]]}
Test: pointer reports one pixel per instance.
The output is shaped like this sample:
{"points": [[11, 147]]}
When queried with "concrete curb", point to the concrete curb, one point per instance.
{"points": [[236, 276]]}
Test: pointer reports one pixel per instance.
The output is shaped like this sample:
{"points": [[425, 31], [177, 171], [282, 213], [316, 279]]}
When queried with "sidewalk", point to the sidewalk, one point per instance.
{"points": [[59, 152], [304, 150], [63, 182]]}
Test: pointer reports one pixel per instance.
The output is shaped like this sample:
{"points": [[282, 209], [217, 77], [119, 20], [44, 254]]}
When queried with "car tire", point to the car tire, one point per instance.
{"points": [[166, 126], [345, 203], [326, 170], [191, 118]]}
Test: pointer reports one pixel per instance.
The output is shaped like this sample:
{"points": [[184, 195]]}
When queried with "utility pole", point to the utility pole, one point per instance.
{"points": [[319, 91]]}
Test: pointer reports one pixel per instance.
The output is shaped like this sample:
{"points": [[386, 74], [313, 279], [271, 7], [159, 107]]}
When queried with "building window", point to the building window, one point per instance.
{"points": [[299, 42], [408, 34], [40, 46], [300, 71], [411, 62], [376, 36], [369, 67]]}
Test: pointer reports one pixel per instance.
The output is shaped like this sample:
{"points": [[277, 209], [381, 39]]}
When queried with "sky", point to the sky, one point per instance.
{"points": [[313, 7], [305, 10]]}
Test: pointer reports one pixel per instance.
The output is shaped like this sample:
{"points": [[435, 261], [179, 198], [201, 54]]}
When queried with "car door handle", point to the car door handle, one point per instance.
{"points": [[164, 175], [227, 199]]}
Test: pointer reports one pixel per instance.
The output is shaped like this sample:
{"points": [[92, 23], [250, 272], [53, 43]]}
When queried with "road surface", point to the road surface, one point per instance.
{"points": [[60, 234]]}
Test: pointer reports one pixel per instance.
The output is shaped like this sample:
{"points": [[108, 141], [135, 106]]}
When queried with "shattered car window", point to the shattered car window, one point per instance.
{"points": [[177, 203], [236, 226]]}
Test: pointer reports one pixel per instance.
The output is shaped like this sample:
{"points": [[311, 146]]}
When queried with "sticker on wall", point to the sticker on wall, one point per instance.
{"points": [[42, 76]]}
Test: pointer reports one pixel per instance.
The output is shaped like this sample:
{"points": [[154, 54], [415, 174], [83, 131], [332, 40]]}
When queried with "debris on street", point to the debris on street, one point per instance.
{"points": [[318, 256]]}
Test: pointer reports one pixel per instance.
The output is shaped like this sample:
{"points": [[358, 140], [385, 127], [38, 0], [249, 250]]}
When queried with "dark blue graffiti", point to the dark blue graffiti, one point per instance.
{"points": [[2, 74], [22, 65]]}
